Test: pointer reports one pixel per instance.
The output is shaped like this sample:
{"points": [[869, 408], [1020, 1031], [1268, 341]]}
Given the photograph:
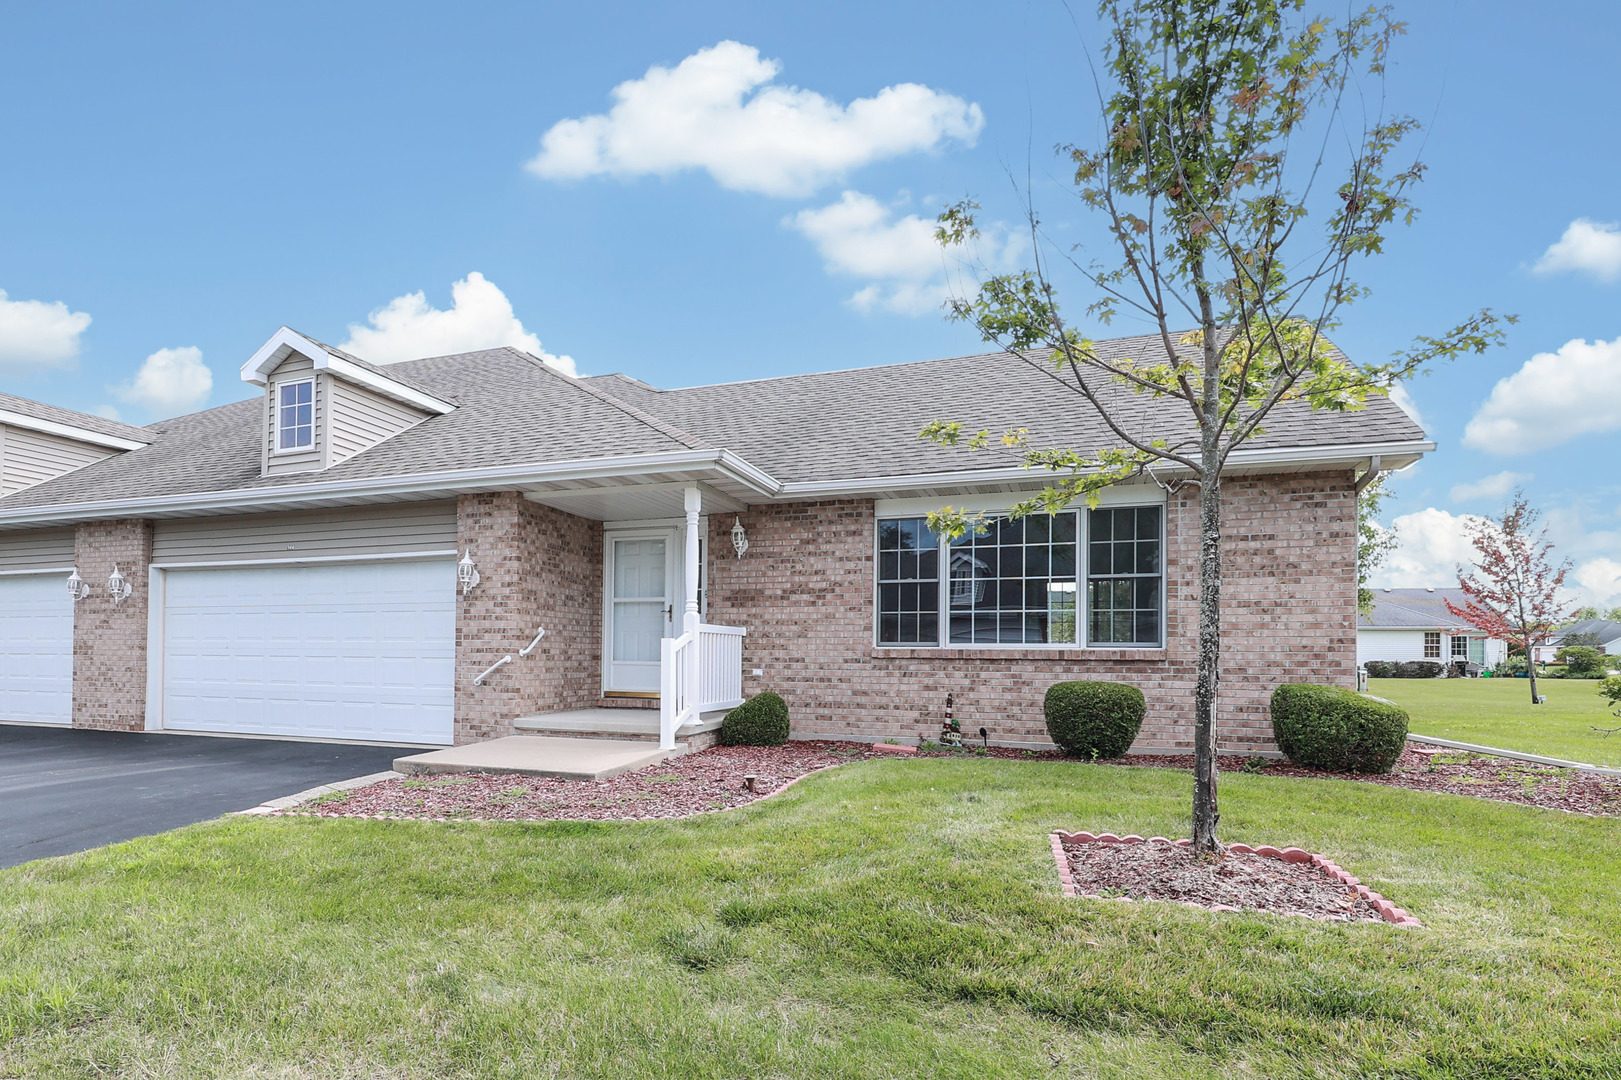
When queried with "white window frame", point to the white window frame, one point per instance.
{"points": [[1452, 648], [899, 509], [1436, 634], [275, 417]]}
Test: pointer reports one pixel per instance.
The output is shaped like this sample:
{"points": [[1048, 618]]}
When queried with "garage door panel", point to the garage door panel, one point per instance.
{"points": [[36, 649], [351, 651]]}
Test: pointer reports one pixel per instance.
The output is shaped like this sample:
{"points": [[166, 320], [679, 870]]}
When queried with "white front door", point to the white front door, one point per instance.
{"points": [[361, 651], [644, 590], [36, 649]]}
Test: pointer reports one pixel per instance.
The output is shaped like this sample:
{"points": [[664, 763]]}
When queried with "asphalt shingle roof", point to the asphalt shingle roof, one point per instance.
{"points": [[864, 422], [1605, 630], [99, 424], [1413, 608], [513, 410]]}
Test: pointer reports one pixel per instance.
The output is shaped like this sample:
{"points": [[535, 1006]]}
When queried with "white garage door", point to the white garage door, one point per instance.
{"points": [[337, 651], [36, 649]]}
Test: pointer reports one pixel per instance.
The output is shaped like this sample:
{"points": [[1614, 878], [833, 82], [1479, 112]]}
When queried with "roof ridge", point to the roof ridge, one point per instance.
{"points": [[663, 427]]}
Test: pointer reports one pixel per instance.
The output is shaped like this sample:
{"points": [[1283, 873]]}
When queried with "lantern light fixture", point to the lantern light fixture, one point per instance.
{"points": [[740, 539], [78, 587], [466, 573], [118, 588]]}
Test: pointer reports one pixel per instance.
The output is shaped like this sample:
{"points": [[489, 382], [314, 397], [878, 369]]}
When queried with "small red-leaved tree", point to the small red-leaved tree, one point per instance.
{"points": [[1513, 593]]}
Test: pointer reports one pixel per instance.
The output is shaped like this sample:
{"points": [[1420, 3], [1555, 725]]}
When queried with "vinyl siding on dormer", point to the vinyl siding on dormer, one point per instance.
{"points": [[294, 369], [361, 418]]}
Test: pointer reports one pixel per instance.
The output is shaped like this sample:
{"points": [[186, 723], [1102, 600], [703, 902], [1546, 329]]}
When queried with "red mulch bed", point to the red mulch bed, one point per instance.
{"points": [[1159, 871], [1461, 773], [692, 784]]}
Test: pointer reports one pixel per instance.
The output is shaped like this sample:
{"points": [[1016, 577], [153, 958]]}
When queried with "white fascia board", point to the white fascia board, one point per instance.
{"points": [[286, 341], [273, 352], [67, 431], [506, 477], [1349, 454], [382, 384]]}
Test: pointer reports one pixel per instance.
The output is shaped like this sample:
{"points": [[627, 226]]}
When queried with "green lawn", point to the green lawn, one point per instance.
{"points": [[885, 919], [1498, 712]]}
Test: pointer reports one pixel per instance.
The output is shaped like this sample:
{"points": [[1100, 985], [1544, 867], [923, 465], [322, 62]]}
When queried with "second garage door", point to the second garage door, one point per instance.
{"points": [[36, 649], [359, 651]]}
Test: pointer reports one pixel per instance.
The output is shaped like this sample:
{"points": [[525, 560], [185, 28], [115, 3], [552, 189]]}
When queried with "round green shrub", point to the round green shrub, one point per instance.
{"points": [[1381, 669], [762, 720], [1330, 727], [1094, 719]]}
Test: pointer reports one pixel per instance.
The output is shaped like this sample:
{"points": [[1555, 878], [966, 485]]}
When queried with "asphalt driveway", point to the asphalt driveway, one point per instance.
{"points": [[63, 791]]}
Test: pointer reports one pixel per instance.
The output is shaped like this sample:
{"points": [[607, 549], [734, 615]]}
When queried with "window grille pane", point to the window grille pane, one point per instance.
{"points": [[908, 583], [1124, 576], [1015, 583]]}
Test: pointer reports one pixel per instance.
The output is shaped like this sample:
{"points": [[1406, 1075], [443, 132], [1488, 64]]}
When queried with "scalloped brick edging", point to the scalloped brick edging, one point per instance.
{"points": [[1390, 912]]}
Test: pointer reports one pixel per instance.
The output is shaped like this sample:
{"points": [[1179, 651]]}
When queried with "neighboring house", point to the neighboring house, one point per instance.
{"points": [[368, 553], [1414, 624], [1607, 633]]}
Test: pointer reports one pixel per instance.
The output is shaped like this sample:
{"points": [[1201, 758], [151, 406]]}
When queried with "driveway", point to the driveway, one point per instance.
{"points": [[63, 791]]}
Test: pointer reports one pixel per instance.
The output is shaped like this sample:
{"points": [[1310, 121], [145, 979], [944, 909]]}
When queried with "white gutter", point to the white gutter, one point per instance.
{"points": [[1349, 454], [422, 485], [68, 431]]}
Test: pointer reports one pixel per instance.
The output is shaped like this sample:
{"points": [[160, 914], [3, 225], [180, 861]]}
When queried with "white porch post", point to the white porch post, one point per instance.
{"points": [[694, 504]]}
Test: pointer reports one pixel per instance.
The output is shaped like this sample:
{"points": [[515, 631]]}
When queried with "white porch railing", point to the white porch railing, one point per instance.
{"points": [[700, 671]]}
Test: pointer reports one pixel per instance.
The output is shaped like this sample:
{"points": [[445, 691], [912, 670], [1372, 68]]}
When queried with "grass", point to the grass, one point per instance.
{"points": [[1498, 712], [885, 919]]}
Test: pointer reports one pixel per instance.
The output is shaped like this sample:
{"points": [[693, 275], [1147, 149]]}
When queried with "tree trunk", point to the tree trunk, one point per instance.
{"points": [[1531, 671], [1205, 813]]}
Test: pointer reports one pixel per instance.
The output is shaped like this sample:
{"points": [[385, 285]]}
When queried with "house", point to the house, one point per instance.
{"points": [[1414, 624], [460, 547], [1606, 632]]}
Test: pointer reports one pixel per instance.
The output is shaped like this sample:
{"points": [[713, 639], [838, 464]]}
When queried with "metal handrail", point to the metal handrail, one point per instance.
{"points": [[540, 634], [487, 672]]}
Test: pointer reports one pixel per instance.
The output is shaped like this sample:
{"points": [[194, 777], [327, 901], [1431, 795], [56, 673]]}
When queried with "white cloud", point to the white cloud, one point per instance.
{"points": [[1404, 401], [1553, 398], [1490, 487], [1588, 247], [170, 382], [36, 334], [860, 237], [716, 111], [1430, 545], [1599, 581], [108, 412], [480, 317]]}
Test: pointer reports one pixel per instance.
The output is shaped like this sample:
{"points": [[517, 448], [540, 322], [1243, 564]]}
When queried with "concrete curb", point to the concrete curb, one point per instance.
{"points": [[289, 801], [1515, 755], [1387, 911]]}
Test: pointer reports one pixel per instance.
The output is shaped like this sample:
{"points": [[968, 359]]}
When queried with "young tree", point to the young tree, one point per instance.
{"points": [[1373, 543], [1513, 592], [1224, 119]]}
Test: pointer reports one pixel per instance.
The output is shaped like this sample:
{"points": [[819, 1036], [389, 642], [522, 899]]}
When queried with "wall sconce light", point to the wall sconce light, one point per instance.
{"points": [[467, 573], [78, 587], [740, 539], [117, 587]]}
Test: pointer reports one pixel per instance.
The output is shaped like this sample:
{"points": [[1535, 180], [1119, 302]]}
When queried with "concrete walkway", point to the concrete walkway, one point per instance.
{"points": [[539, 755]]}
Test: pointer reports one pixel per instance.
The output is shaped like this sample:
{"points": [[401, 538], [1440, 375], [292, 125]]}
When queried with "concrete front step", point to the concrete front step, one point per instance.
{"points": [[625, 724], [537, 755]]}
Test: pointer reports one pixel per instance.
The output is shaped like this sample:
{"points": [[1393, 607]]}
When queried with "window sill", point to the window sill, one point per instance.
{"points": [[1017, 652]]}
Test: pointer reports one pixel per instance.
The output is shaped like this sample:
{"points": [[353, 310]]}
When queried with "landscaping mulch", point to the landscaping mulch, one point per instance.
{"points": [[1248, 881], [1477, 775], [710, 779]]}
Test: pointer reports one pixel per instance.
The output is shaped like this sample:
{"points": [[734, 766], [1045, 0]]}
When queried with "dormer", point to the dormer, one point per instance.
{"points": [[322, 406], [40, 442]]}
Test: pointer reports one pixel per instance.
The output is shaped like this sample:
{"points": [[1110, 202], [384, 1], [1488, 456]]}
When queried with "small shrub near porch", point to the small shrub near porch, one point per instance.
{"points": [[1330, 727], [762, 720], [1094, 719]]}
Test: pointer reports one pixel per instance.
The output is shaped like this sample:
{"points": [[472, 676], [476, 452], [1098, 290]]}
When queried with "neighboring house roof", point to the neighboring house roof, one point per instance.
{"points": [[777, 436], [1603, 629], [49, 417], [864, 422], [1413, 609]]}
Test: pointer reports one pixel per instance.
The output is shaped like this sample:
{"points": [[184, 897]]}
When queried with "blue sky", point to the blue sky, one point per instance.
{"points": [[191, 177]]}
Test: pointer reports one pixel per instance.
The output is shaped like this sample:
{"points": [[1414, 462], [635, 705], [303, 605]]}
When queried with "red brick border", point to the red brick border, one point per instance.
{"points": [[1390, 912]]}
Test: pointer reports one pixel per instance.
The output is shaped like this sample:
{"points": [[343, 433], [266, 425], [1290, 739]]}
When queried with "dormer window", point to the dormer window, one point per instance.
{"points": [[295, 415]]}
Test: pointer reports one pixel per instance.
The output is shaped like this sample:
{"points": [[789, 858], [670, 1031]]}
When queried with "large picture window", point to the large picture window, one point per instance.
{"points": [[1022, 582]]}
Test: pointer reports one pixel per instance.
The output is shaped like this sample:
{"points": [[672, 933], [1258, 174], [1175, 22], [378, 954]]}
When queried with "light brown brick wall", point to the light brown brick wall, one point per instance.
{"points": [[539, 567], [805, 593], [109, 640]]}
